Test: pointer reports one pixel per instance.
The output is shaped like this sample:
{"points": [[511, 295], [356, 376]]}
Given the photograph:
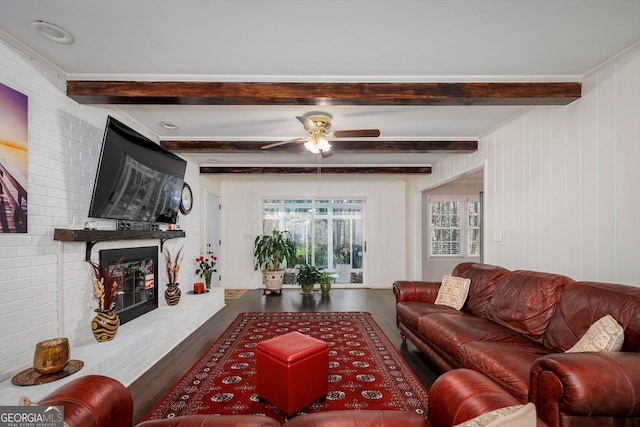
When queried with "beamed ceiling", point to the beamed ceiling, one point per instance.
{"points": [[323, 95]]}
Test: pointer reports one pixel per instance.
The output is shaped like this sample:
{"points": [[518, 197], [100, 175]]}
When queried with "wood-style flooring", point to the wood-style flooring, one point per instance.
{"points": [[154, 383]]}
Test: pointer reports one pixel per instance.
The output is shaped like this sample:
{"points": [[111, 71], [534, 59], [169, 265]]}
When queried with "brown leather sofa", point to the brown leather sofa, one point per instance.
{"points": [[515, 327], [455, 397]]}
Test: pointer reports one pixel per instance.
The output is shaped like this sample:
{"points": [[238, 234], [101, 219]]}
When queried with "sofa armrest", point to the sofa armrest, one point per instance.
{"points": [[414, 290], [596, 384], [93, 401]]}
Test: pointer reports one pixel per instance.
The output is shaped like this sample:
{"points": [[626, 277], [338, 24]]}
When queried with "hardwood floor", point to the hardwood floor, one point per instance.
{"points": [[153, 384]]}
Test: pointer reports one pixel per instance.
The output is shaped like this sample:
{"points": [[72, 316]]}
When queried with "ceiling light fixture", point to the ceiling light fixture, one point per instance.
{"points": [[53, 32], [169, 125], [317, 143]]}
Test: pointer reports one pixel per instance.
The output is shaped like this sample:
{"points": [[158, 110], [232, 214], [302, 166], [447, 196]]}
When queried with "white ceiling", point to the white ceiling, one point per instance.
{"points": [[328, 41]]}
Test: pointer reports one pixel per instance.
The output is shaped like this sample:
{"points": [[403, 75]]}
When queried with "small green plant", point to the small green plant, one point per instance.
{"points": [[325, 277], [308, 275]]}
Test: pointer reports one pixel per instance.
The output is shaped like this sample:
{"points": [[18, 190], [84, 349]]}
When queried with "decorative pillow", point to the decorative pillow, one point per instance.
{"points": [[453, 292], [604, 335], [511, 416]]}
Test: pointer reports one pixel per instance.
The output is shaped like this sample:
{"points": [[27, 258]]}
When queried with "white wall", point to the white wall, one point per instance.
{"points": [[241, 218], [561, 183], [45, 286]]}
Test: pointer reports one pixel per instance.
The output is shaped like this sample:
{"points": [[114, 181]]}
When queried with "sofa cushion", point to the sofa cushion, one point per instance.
{"points": [[453, 292], [582, 303], [449, 331], [510, 416], [604, 335], [483, 281], [409, 312], [525, 301], [508, 365]]}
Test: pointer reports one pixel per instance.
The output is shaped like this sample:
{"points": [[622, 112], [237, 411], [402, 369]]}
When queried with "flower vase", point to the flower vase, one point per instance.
{"points": [[172, 294], [207, 279], [105, 325]]}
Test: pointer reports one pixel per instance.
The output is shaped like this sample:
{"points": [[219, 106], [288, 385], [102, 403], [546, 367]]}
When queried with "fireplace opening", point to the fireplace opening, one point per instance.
{"points": [[138, 278]]}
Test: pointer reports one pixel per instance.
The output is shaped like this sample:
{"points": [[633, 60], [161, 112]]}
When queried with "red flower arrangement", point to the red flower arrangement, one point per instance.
{"points": [[206, 266]]}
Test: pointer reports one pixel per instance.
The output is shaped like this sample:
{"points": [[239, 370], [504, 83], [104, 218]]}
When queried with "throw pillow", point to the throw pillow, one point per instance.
{"points": [[453, 292], [511, 416], [604, 335]]}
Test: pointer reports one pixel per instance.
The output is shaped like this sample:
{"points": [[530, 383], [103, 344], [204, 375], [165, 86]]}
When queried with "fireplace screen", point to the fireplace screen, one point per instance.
{"points": [[137, 275]]}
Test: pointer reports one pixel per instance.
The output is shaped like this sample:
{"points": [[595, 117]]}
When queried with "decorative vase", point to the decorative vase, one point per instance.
{"points": [[207, 278], [51, 356], [105, 325], [172, 294]]}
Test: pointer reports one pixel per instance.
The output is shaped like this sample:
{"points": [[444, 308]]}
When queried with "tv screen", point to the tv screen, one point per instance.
{"points": [[137, 180]]}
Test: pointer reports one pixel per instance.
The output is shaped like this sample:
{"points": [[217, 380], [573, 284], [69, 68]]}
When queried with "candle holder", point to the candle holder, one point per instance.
{"points": [[51, 356]]}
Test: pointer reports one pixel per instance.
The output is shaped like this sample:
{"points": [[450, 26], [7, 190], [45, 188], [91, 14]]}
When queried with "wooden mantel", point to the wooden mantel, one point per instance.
{"points": [[91, 237]]}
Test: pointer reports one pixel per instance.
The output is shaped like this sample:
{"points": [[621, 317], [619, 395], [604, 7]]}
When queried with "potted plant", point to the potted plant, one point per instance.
{"points": [[270, 253], [206, 268], [308, 275], [325, 282]]}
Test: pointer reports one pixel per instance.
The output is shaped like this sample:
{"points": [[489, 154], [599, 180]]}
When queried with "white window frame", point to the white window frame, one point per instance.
{"points": [[465, 228]]}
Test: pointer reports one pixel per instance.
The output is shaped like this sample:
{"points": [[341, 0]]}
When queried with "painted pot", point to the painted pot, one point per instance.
{"points": [[105, 325], [172, 294]]}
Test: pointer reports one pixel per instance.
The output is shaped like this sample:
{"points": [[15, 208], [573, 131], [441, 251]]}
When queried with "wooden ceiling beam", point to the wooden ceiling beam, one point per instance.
{"points": [[282, 93], [338, 146], [298, 170]]}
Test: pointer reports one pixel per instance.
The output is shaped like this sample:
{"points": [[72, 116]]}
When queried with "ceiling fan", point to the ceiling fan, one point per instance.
{"points": [[317, 124]]}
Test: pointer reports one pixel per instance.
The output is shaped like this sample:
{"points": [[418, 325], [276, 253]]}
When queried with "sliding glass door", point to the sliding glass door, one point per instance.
{"points": [[327, 233]]}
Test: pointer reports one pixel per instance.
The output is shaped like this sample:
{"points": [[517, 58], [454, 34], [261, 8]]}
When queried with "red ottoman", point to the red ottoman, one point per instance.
{"points": [[293, 370]]}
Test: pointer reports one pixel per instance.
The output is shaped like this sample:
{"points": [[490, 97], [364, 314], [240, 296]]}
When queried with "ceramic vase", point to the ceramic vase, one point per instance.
{"points": [[105, 325], [172, 294]]}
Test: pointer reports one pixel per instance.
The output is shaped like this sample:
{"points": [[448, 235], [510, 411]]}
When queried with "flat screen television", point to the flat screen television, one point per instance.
{"points": [[137, 179]]}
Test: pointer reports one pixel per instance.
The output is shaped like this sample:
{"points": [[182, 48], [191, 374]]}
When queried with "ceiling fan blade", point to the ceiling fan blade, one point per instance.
{"points": [[356, 133], [307, 123], [276, 144]]}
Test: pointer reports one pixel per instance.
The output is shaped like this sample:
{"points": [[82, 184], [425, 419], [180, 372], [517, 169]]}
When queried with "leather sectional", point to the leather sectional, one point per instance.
{"points": [[515, 328]]}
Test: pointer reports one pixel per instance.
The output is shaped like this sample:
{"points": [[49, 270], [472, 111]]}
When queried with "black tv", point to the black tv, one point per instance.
{"points": [[137, 180]]}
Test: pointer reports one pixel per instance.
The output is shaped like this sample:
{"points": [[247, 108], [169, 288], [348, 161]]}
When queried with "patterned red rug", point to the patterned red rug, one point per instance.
{"points": [[365, 370]]}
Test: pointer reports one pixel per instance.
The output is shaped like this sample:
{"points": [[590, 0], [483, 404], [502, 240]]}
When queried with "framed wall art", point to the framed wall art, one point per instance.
{"points": [[13, 160]]}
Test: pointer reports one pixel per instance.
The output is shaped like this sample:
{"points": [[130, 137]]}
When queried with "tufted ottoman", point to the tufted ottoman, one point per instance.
{"points": [[293, 370]]}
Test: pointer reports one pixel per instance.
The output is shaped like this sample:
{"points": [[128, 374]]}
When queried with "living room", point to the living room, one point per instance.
{"points": [[558, 184]]}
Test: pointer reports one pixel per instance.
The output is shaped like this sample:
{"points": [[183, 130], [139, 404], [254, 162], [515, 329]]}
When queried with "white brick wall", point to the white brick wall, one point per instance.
{"points": [[64, 147]]}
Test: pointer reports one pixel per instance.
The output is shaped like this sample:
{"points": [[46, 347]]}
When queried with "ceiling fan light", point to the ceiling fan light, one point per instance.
{"points": [[311, 146], [324, 145]]}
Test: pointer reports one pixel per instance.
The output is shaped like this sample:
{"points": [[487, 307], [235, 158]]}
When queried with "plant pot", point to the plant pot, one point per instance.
{"points": [[325, 288], [272, 279], [307, 289], [105, 325], [172, 294]]}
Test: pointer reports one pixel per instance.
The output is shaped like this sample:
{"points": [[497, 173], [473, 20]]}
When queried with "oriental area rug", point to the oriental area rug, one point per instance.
{"points": [[365, 370]]}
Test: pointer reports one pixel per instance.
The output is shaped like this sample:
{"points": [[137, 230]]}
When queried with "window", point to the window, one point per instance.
{"points": [[327, 233], [454, 226]]}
